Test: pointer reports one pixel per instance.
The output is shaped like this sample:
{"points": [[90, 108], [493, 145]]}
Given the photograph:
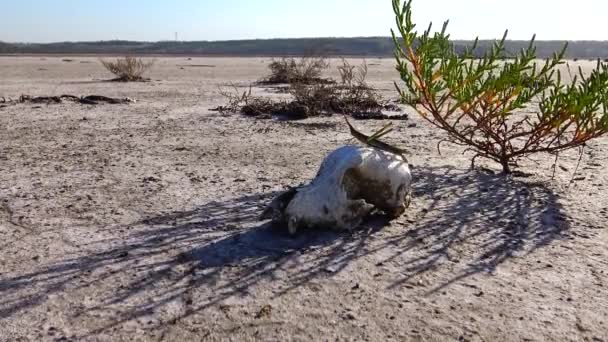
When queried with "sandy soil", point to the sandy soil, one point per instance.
{"points": [[138, 222]]}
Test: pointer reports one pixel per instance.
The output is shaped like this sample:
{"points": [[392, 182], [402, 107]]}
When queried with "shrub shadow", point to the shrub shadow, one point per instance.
{"points": [[220, 251], [490, 217]]}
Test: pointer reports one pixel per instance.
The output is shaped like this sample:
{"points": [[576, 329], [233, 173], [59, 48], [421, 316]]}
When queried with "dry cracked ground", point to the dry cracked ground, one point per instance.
{"points": [[139, 222]]}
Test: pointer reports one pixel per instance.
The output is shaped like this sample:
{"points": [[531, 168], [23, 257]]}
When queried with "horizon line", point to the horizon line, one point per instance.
{"points": [[275, 39]]}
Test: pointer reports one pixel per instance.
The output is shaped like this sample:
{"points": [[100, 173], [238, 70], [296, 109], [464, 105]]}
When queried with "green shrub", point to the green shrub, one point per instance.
{"points": [[482, 103]]}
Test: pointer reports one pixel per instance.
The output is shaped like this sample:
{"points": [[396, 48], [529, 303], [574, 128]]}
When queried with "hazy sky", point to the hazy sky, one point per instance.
{"points": [[152, 20]]}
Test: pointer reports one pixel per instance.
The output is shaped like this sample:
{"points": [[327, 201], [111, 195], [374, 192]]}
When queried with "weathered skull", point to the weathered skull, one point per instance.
{"points": [[351, 182]]}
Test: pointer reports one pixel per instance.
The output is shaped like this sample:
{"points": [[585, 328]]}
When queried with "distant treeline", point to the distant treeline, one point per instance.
{"points": [[364, 47]]}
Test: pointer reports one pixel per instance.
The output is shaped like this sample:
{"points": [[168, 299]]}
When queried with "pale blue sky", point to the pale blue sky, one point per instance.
{"points": [[153, 20]]}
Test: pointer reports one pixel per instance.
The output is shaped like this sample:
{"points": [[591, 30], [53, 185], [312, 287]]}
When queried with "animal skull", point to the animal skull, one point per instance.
{"points": [[351, 182]]}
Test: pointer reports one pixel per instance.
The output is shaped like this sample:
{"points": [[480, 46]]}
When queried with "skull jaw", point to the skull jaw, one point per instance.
{"points": [[348, 221]]}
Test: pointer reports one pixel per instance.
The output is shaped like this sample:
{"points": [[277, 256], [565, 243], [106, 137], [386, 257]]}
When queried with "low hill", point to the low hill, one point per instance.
{"points": [[364, 47]]}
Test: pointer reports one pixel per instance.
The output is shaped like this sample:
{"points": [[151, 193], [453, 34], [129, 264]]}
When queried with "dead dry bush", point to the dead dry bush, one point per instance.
{"points": [[307, 70], [350, 96], [128, 69], [355, 95], [256, 106]]}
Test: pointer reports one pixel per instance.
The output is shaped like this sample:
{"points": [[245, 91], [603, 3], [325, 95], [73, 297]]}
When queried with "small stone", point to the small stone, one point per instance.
{"points": [[150, 180], [331, 269], [264, 312]]}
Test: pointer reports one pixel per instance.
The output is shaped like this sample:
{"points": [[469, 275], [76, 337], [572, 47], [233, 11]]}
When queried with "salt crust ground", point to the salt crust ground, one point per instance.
{"points": [[138, 222]]}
